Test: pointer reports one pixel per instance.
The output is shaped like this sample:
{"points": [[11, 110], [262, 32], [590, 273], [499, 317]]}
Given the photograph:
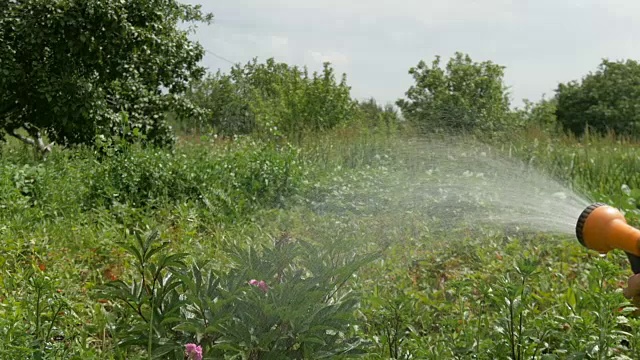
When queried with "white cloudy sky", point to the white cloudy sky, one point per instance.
{"points": [[375, 42]]}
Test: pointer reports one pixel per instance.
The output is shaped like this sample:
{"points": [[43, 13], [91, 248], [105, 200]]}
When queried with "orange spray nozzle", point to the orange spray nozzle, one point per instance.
{"points": [[603, 228]]}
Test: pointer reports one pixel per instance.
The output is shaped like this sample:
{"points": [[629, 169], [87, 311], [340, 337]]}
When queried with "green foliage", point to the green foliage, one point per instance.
{"points": [[302, 311], [41, 336], [378, 118], [597, 167], [540, 115], [431, 292], [227, 102], [604, 101], [227, 182], [151, 302], [70, 68], [232, 182], [274, 99], [465, 96]]}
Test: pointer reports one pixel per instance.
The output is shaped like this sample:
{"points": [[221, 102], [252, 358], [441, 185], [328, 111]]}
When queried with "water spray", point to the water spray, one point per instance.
{"points": [[603, 228]]}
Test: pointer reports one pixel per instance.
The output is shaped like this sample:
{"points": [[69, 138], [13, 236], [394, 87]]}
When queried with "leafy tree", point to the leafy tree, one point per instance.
{"points": [[73, 70], [464, 96], [378, 117], [227, 99], [274, 98], [607, 100], [540, 115]]}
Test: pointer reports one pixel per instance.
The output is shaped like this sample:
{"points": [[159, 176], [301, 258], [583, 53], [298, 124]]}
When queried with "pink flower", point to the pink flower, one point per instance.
{"points": [[261, 284], [193, 352]]}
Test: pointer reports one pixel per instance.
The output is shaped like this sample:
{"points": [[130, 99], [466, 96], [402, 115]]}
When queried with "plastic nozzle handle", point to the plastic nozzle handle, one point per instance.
{"points": [[635, 263], [603, 228]]}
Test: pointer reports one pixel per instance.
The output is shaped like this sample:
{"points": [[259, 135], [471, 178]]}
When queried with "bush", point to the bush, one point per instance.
{"points": [[235, 180], [604, 101], [274, 99], [378, 118], [300, 307], [465, 96], [540, 115]]}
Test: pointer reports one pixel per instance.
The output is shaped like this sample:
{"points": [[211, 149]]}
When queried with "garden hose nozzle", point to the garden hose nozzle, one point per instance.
{"points": [[603, 228]]}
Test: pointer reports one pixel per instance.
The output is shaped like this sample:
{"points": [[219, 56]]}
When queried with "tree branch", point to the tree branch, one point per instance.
{"points": [[35, 140], [22, 138]]}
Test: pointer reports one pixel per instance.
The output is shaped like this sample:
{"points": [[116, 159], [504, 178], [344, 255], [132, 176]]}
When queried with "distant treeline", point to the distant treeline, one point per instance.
{"points": [[112, 71]]}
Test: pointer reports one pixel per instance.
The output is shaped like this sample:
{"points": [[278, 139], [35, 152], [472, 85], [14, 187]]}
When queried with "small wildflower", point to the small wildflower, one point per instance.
{"points": [[261, 284], [193, 352]]}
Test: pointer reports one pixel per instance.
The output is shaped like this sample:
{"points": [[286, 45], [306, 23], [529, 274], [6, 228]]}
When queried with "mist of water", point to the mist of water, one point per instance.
{"points": [[476, 184], [460, 183]]}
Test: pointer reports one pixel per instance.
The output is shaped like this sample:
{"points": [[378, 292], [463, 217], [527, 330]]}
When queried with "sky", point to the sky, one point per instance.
{"points": [[375, 42]]}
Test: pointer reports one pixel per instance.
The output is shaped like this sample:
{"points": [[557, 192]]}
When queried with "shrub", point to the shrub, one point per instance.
{"points": [[464, 96], [230, 180], [604, 101], [381, 119], [274, 99], [300, 307], [540, 116]]}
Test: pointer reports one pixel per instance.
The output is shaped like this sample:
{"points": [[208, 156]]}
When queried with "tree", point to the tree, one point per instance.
{"points": [[274, 98], [540, 115], [607, 100], [227, 99], [377, 117], [464, 96], [73, 70]]}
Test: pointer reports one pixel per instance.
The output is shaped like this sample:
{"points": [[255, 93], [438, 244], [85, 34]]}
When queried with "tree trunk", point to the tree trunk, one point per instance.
{"points": [[35, 140]]}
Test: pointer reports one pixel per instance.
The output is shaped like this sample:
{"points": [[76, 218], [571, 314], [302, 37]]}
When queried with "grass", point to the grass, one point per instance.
{"points": [[351, 272]]}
